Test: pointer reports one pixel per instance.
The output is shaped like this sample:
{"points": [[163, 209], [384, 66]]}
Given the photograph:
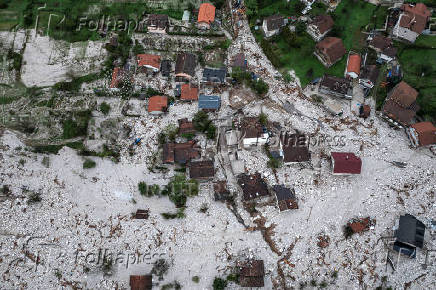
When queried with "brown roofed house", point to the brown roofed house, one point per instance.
{"points": [[320, 26], [252, 274], [253, 186], [157, 23], [180, 152], [185, 66], [400, 104], [329, 50], [141, 282], [157, 104], [422, 134], [295, 148], [201, 169], [412, 21], [189, 93], [272, 25], [148, 62], [186, 127], [380, 43]]}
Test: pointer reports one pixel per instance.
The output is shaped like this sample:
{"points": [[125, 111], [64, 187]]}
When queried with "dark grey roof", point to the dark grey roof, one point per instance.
{"points": [[338, 85], [284, 193], [410, 231], [186, 63], [216, 75], [165, 67]]}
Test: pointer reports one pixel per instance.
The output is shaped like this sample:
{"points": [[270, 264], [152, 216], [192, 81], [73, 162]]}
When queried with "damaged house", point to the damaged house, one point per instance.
{"points": [[320, 26], [286, 198], [202, 170], [214, 75], [412, 21], [409, 235], [400, 106], [180, 152], [336, 87], [252, 274], [272, 25], [368, 77], [295, 148], [141, 282], [253, 186], [186, 127], [252, 132], [157, 105], [157, 23]]}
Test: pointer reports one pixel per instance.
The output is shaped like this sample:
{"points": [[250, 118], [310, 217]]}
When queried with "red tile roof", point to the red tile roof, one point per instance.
{"points": [[354, 63], [206, 13], [157, 103], [189, 93], [148, 59], [426, 133], [346, 163]]}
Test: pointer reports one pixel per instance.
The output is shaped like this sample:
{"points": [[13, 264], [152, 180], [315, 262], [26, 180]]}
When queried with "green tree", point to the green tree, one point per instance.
{"points": [[219, 284]]}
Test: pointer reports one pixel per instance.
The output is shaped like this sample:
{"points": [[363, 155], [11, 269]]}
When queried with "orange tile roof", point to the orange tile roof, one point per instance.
{"points": [[157, 103], [148, 59], [189, 93], [354, 63], [206, 13]]}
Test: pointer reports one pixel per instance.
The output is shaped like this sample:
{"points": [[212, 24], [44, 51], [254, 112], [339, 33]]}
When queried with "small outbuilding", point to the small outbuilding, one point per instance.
{"points": [[286, 198], [141, 282], [252, 274]]}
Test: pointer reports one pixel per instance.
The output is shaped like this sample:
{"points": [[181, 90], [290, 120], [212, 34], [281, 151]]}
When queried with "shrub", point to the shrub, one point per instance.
{"points": [[211, 132], [105, 108], [196, 279], [263, 119], [34, 197], [142, 186], [348, 231], [89, 164], [160, 268], [219, 284]]}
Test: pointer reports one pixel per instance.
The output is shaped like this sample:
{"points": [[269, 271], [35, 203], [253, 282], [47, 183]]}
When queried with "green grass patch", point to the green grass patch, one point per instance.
{"points": [[290, 51], [76, 125], [379, 16], [426, 41]]}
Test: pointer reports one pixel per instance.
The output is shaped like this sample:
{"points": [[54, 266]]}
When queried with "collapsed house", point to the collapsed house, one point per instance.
{"points": [[221, 192], [157, 23], [252, 274], [214, 75], [409, 235], [336, 87], [295, 148], [286, 198], [186, 127], [386, 52], [253, 186], [369, 76]]}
